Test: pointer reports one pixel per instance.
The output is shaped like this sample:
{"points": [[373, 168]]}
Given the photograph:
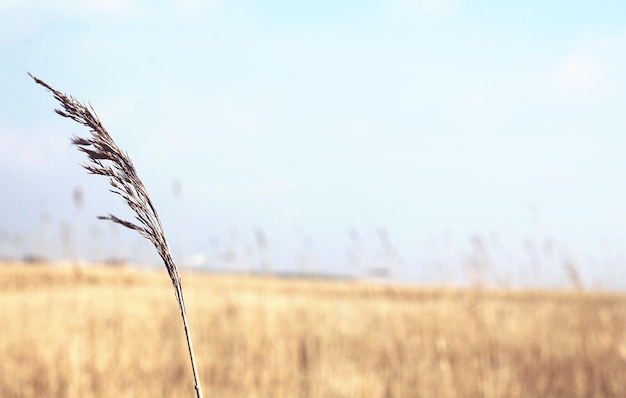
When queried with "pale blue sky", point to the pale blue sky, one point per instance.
{"points": [[429, 118]]}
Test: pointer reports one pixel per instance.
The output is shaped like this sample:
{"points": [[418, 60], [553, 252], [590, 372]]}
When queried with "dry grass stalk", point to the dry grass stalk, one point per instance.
{"points": [[305, 338], [107, 159]]}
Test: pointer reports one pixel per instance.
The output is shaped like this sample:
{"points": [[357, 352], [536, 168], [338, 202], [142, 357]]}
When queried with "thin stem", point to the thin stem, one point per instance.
{"points": [[197, 386]]}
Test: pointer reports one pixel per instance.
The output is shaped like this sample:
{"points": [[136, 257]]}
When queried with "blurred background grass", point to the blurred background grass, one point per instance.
{"points": [[94, 331]]}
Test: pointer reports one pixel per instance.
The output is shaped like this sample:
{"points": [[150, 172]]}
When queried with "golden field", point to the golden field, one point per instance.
{"points": [[116, 332]]}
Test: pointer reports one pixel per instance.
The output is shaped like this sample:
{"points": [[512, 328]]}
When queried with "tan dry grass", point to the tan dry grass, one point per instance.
{"points": [[87, 332]]}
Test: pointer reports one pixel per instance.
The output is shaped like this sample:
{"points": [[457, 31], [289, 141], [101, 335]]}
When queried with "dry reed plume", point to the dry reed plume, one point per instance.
{"points": [[107, 159]]}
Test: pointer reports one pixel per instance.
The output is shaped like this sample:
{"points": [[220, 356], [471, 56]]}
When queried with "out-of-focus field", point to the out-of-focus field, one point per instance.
{"points": [[116, 332]]}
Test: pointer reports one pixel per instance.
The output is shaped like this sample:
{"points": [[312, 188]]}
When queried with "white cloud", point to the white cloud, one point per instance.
{"points": [[214, 189], [580, 73], [7, 4], [423, 6], [223, 191], [22, 151], [20, 19], [236, 118], [45, 8], [117, 108], [195, 7], [478, 102], [232, 118], [103, 6], [271, 189]]}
